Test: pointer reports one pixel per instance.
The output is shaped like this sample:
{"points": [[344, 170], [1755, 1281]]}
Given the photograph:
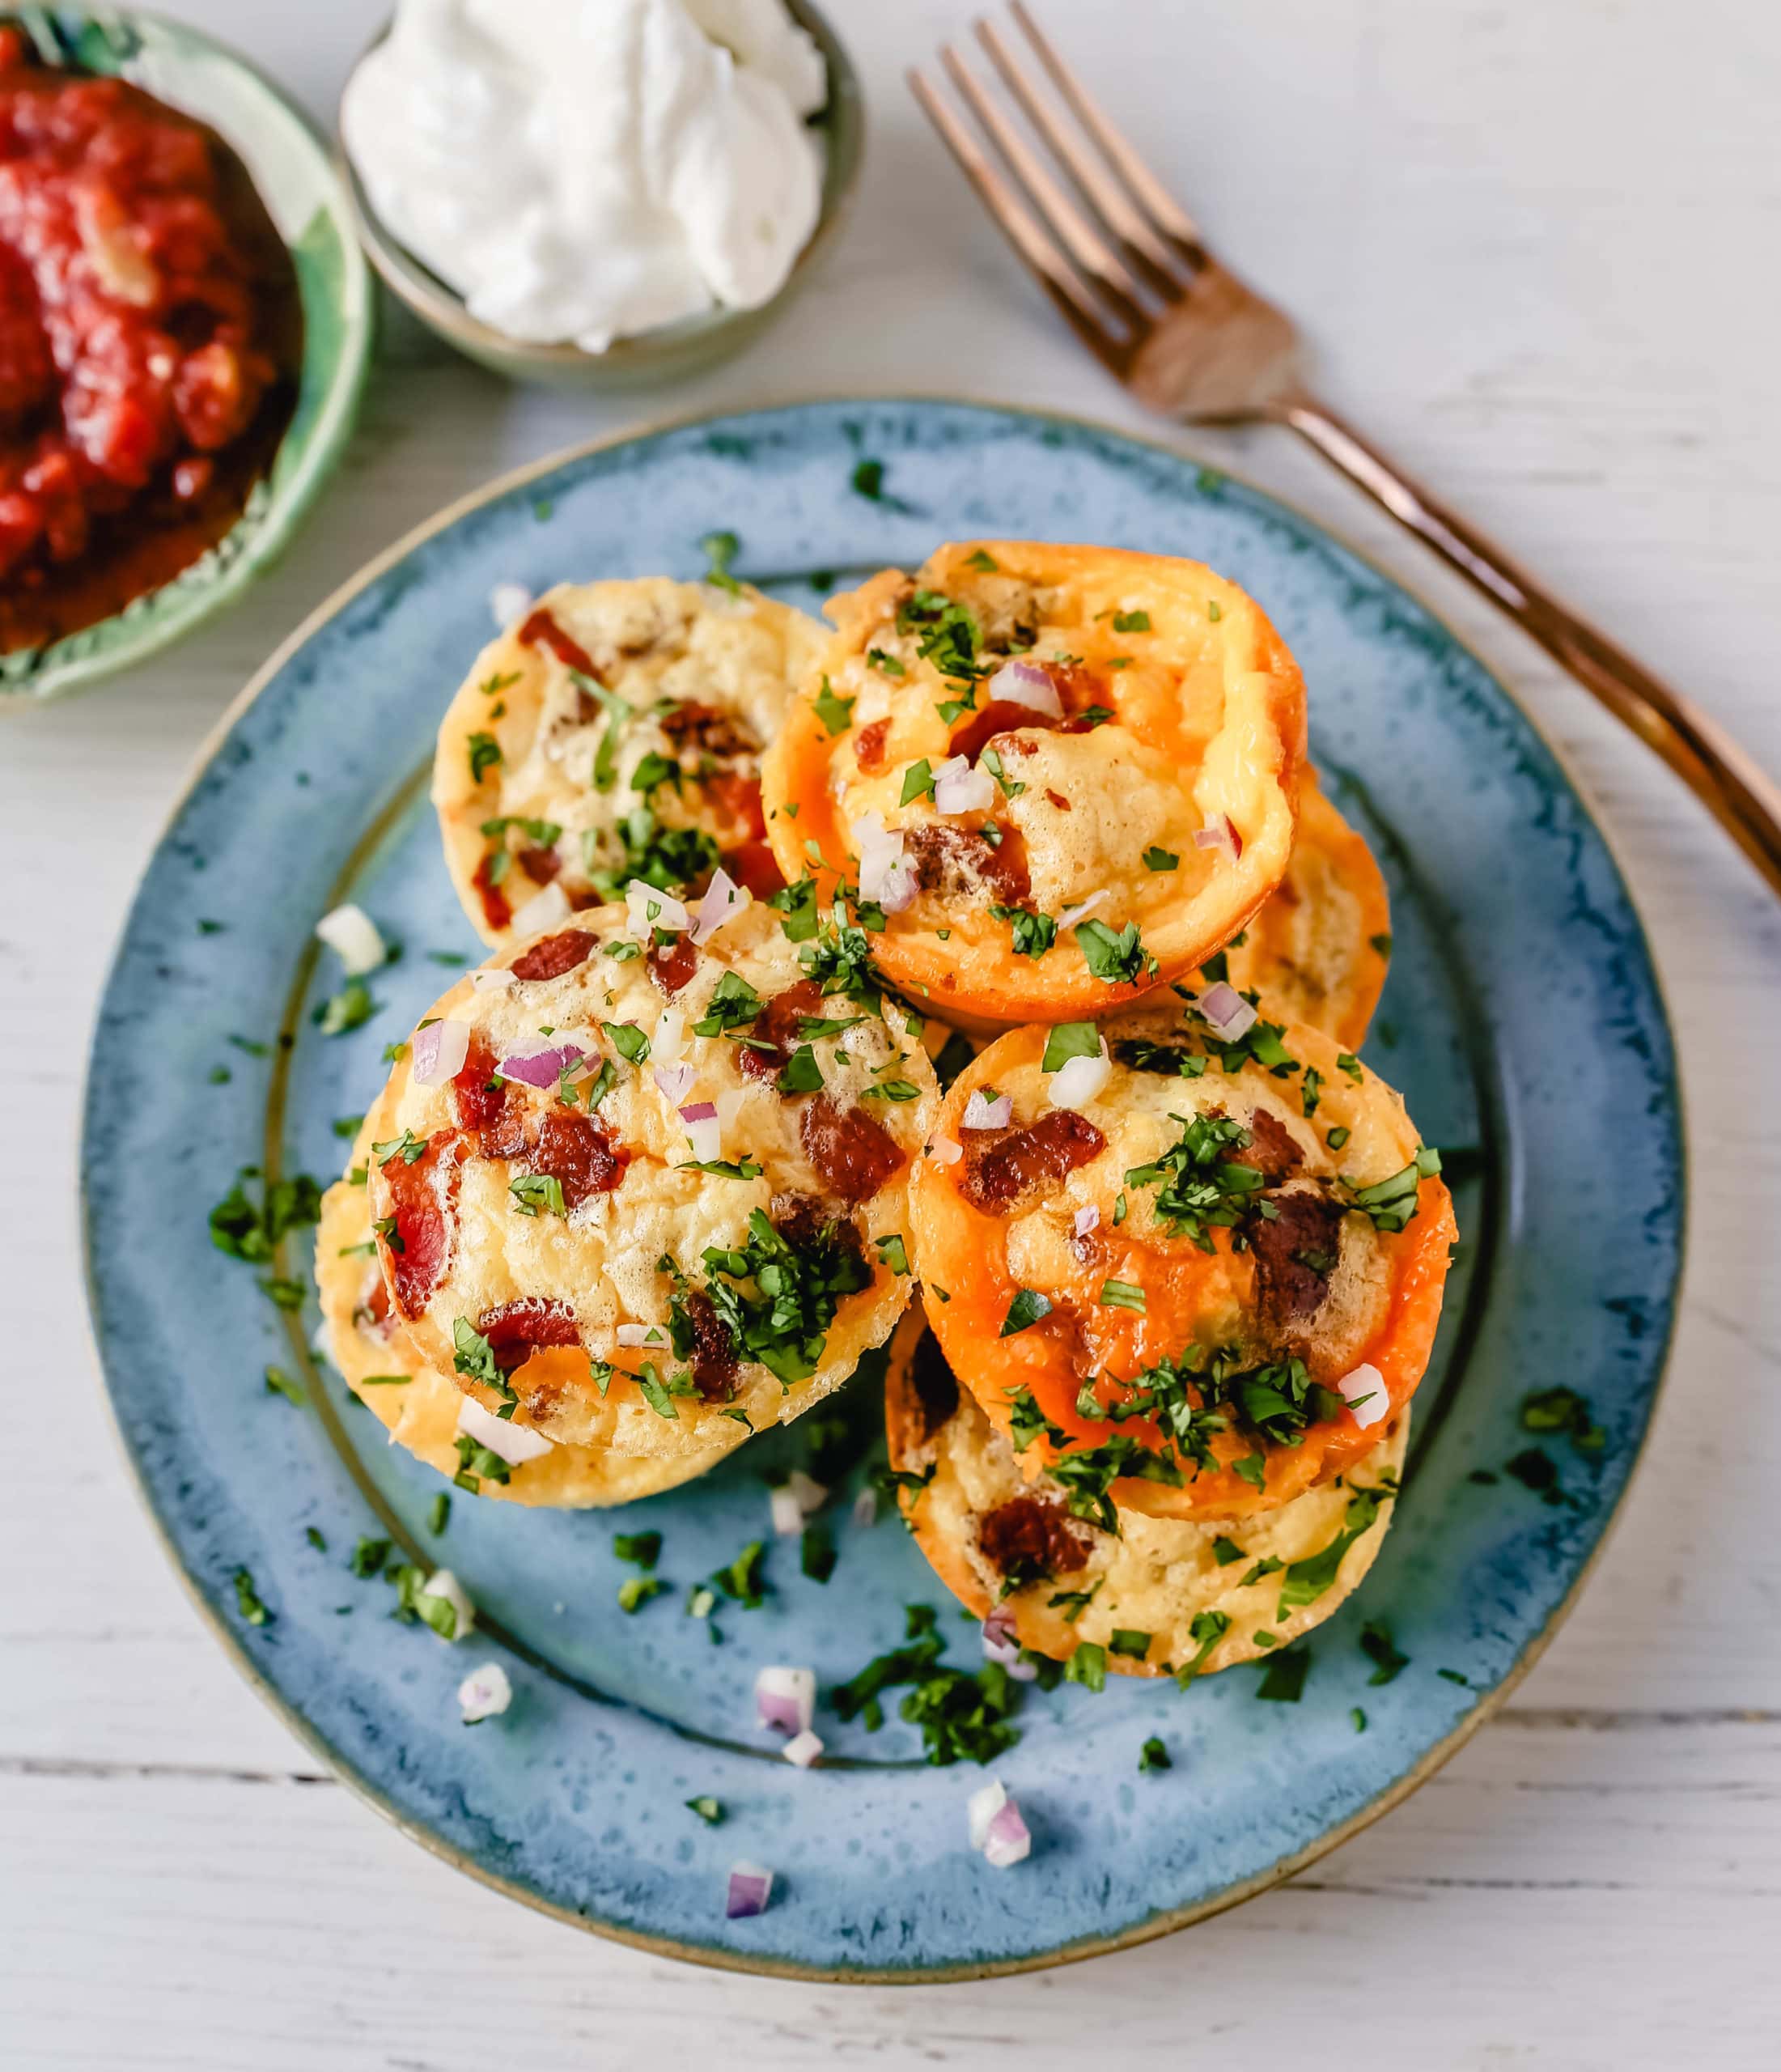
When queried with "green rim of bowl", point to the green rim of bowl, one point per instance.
{"points": [[671, 349], [289, 165]]}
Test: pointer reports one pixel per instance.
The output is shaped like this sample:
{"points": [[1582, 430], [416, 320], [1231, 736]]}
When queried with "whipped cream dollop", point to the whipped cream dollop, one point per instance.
{"points": [[586, 169]]}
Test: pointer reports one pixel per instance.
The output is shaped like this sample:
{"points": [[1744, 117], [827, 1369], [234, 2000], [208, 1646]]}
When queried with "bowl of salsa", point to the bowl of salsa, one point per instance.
{"points": [[185, 321]]}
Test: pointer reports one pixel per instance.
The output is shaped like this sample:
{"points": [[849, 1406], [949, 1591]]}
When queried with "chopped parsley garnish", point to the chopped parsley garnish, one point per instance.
{"points": [[368, 1557], [1392, 1202], [817, 1553], [1377, 1646], [534, 1193], [279, 1383], [1131, 622], [1382, 944], [1306, 1580], [1535, 1469], [779, 1302], [984, 563], [1087, 1666], [1153, 1756], [1011, 787], [800, 1073], [1128, 1641], [918, 783], [1072, 1604], [720, 550], [948, 633], [350, 1009], [961, 1716], [708, 1810], [625, 1037], [1119, 958], [1025, 1310], [250, 1230], [485, 752], [1199, 1185], [439, 1513], [1033, 934], [1088, 1474], [1028, 1422], [884, 662], [1563, 1410], [741, 1580], [1283, 1680], [1140, 1055], [868, 479], [410, 1149], [836, 713], [644, 1548], [636, 1591], [893, 1252], [1070, 1039], [473, 1355], [247, 1600], [654, 769], [1310, 1090], [1157, 859], [1122, 1295], [1352, 1066], [1338, 1137], [663, 857]]}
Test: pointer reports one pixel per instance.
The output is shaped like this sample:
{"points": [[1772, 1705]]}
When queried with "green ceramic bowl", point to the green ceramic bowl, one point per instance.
{"points": [[290, 166], [673, 350]]}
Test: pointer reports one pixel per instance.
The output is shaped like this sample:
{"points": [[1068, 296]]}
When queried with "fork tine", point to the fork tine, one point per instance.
{"points": [[1090, 252], [1167, 219], [1042, 255]]}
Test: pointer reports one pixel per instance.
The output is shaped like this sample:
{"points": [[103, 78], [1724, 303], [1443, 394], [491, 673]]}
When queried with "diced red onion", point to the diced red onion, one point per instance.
{"points": [[437, 1053], [508, 604], [549, 909], [786, 1698], [996, 1827], [514, 1443], [542, 1068], [674, 1082], [648, 908], [1087, 1218], [641, 1335], [1029, 684], [722, 900], [886, 875], [484, 1692], [1070, 915], [1001, 1645], [1220, 833], [351, 934], [803, 1749], [1231, 1017], [441, 1583], [981, 1114], [959, 787], [1077, 1080], [865, 1509], [750, 1888], [1364, 1389], [704, 1131], [944, 1151]]}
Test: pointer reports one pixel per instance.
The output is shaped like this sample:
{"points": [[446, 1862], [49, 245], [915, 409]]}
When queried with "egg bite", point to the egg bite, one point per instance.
{"points": [[615, 731], [647, 1176], [1320, 947], [1191, 1257], [1054, 1567], [425, 1411], [1066, 775]]}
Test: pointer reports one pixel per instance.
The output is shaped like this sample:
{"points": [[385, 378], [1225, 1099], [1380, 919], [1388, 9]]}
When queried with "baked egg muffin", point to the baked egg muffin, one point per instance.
{"points": [[648, 1174], [1191, 1258], [615, 731], [1054, 1569], [1063, 776]]}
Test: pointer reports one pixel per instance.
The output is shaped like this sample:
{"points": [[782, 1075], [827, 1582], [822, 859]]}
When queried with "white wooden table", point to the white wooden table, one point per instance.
{"points": [[1538, 247]]}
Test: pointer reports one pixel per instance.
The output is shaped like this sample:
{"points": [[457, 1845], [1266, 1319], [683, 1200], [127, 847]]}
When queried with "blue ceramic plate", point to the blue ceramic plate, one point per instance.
{"points": [[1522, 1021]]}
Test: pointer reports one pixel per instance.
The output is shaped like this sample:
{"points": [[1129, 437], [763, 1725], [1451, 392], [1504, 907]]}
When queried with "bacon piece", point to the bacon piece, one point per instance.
{"points": [[776, 1024], [575, 1150], [495, 909], [1001, 716], [959, 865], [542, 630], [487, 1105], [1290, 1247], [805, 1220], [672, 964], [1271, 1149], [854, 1156], [737, 797], [1029, 1538], [423, 1201], [1057, 798], [705, 727], [713, 1359], [1010, 1169], [869, 744], [540, 865], [753, 866], [516, 1330], [553, 955]]}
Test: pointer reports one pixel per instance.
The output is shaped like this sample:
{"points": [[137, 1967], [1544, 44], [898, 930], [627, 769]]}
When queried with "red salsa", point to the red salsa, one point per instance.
{"points": [[149, 330]]}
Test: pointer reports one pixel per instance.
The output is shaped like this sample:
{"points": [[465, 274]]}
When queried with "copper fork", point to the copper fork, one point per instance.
{"points": [[1131, 273]]}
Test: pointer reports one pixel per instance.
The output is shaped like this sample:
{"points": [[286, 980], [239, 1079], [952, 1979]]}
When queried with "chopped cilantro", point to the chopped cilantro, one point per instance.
{"points": [[1117, 959], [1128, 1641], [1131, 622], [644, 1548], [1033, 933], [1377, 1646], [1070, 1039], [741, 1581], [1161, 859], [817, 1553], [837, 714], [1283, 1680], [247, 1600], [1028, 1422], [1025, 1310], [350, 1009], [893, 1252], [868, 479], [279, 1383], [720, 550], [1087, 1666], [779, 1302], [250, 1230], [1563, 1410], [1382, 944], [1306, 1580], [1087, 1474], [984, 563], [708, 1810], [485, 754], [636, 1591], [1207, 1630], [1011, 786], [1153, 1756], [949, 636], [918, 783], [885, 663], [1392, 1202], [536, 1192], [1122, 1295]]}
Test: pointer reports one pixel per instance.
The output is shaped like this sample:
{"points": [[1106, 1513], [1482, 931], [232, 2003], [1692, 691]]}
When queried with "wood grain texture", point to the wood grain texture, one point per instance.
{"points": [[1535, 248]]}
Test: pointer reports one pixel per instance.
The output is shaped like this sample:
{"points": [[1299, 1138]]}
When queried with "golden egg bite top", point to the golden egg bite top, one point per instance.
{"points": [[1066, 774], [616, 731], [1056, 1568], [667, 1183], [1319, 948], [1196, 1269], [422, 1410]]}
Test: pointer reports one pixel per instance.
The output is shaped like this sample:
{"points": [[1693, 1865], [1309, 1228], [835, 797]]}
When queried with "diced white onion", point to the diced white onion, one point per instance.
{"points": [[729, 1106], [437, 1053], [803, 1749], [1077, 1080], [667, 1039], [958, 788], [788, 1518], [1070, 915], [1087, 1218], [1230, 1015], [797, 1498], [674, 1082], [514, 1443], [865, 1508], [981, 1114], [484, 1692], [351, 934], [724, 899], [750, 1888], [786, 1698], [704, 1130], [508, 604], [648, 908], [442, 1583], [1029, 684], [495, 979], [1364, 1389], [549, 909], [944, 1151], [641, 1335], [886, 875]]}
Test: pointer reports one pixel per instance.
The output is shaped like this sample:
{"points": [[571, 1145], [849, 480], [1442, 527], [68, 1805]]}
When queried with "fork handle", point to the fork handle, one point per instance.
{"points": [[1740, 796]]}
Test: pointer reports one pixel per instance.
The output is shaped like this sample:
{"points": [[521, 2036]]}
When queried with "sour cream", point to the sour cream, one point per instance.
{"points": [[583, 170]]}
